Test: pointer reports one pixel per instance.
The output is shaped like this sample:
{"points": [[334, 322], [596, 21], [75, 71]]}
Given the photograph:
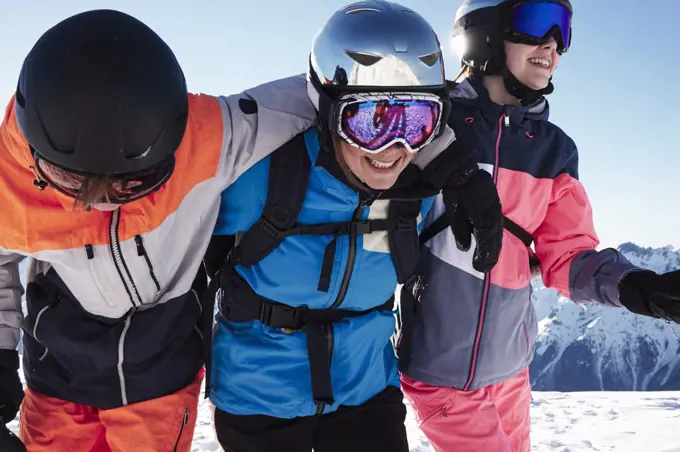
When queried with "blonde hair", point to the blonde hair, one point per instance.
{"points": [[465, 72], [95, 190], [92, 189]]}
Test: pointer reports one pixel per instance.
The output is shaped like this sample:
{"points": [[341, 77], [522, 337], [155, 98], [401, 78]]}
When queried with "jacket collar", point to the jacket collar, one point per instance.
{"points": [[472, 92]]}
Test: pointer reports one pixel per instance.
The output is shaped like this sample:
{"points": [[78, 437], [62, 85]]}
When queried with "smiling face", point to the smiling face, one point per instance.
{"points": [[378, 171], [532, 65]]}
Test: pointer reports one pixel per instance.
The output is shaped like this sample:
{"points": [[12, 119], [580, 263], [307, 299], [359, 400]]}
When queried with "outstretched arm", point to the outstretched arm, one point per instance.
{"points": [[566, 245]]}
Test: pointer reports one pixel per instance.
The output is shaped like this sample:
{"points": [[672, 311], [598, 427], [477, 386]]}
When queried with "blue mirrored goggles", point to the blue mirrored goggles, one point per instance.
{"points": [[532, 22]]}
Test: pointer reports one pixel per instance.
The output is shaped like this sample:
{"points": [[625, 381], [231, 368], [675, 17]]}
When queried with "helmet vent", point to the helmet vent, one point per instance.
{"points": [[363, 10], [364, 59], [430, 59], [21, 101], [405, 10]]}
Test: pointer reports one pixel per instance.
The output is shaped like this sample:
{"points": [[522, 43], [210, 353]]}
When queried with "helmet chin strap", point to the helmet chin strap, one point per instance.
{"points": [[517, 89], [522, 92]]}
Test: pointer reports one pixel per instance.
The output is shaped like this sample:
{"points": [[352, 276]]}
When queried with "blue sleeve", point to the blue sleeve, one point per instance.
{"points": [[221, 227]]}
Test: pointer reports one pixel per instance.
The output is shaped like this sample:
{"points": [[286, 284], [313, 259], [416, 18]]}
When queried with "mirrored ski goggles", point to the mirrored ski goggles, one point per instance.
{"points": [[532, 22], [121, 190], [375, 122]]}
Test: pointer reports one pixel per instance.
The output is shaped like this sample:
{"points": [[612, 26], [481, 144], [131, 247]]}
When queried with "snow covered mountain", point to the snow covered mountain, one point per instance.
{"points": [[596, 348]]}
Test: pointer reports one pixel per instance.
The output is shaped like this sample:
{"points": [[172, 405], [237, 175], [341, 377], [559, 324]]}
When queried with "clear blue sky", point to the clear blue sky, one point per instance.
{"points": [[616, 90]]}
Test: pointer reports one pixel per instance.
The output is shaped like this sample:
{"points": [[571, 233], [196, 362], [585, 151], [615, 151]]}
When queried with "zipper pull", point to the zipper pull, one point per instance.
{"points": [[366, 199], [507, 119], [140, 246], [38, 182]]}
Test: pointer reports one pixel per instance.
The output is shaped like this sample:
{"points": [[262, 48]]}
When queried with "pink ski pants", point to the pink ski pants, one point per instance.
{"points": [[491, 419]]}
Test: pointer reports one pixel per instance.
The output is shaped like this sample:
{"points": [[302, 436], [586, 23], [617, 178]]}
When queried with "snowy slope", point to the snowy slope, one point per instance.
{"points": [[574, 422], [591, 347]]}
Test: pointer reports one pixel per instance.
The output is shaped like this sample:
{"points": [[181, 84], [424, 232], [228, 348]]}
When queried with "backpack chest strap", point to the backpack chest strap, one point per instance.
{"points": [[240, 303]]}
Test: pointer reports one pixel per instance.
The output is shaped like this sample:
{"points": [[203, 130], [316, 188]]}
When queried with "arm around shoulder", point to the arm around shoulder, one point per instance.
{"points": [[260, 120]]}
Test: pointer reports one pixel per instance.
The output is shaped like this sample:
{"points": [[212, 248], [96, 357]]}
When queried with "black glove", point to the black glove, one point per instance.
{"points": [[11, 389], [647, 293], [474, 209], [472, 203], [9, 441]]}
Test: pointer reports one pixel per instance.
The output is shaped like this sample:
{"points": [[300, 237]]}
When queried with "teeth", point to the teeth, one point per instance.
{"points": [[381, 165], [540, 61]]}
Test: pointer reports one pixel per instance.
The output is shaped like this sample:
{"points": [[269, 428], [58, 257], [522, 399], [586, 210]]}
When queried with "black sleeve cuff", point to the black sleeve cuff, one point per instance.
{"points": [[631, 294], [9, 359]]}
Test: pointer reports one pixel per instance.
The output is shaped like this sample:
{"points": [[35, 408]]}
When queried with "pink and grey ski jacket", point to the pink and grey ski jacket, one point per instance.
{"points": [[474, 329]]}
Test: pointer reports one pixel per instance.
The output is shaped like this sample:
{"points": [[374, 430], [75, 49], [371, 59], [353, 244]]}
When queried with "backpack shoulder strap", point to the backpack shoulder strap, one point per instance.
{"points": [[442, 223], [518, 231], [288, 178], [403, 239], [434, 228]]}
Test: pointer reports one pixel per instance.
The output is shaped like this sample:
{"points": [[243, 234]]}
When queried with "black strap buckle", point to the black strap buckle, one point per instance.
{"points": [[411, 281], [227, 270], [267, 227], [265, 313], [360, 227], [282, 316]]}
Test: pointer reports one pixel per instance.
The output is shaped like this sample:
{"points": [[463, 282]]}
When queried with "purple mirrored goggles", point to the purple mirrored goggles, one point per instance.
{"points": [[374, 122]]}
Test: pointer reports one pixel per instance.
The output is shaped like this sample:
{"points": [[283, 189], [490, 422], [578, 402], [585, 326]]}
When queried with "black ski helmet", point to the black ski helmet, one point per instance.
{"points": [[479, 32], [102, 93]]}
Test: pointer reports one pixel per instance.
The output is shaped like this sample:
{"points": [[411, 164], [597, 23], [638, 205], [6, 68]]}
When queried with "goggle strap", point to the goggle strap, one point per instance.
{"points": [[484, 17]]}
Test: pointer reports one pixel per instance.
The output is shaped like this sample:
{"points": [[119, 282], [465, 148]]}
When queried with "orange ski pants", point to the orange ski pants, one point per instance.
{"points": [[165, 424]]}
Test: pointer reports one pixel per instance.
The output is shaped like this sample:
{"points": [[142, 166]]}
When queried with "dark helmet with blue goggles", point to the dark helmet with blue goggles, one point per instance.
{"points": [[481, 27]]}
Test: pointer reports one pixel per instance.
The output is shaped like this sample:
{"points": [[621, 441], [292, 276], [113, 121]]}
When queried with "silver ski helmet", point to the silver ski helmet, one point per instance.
{"points": [[374, 46]]}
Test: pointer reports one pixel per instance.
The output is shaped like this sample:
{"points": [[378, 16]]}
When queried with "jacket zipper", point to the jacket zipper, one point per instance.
{"points": [[487, 277], [185, 421], [121, 358], [141, 251], [117, 254], [330, 336], [128, 283], [352, 255]]}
